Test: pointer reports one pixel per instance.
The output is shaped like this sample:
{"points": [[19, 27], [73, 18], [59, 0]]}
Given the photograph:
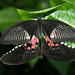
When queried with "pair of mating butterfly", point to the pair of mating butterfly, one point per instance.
{"points": [[29, 35]]}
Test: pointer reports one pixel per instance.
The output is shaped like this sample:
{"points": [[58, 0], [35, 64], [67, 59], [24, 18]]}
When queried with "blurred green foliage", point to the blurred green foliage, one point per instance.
{"points": [[63, 10], [25, 4]]}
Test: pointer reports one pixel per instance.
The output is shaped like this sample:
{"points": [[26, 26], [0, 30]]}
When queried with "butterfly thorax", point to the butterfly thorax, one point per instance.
{"points": [[40, 37]]}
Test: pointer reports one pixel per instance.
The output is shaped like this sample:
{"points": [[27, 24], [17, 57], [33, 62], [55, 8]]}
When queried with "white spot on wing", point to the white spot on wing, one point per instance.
{"points": [[53, 34], [33, 37], [32, 51], [19, 45], [28, 37], [69, 46], [13, 49], [16, 47], [9, 51], [3, 54], [73, 47], [62, 43], [65, 44]]}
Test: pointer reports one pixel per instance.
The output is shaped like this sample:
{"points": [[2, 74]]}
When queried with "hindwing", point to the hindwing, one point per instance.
{"points": [[59, 51], [15, 56]]}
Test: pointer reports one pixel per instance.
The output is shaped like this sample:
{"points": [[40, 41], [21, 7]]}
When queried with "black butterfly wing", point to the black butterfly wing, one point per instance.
{"points": [[19, 33], [58, 31], [61, 53], [15, 56]]}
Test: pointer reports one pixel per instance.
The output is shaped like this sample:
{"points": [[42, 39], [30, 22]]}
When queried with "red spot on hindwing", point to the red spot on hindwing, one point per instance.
{"points": [[28, 48], [25, 44], [56, 44], [33, 43], [50, 42]]}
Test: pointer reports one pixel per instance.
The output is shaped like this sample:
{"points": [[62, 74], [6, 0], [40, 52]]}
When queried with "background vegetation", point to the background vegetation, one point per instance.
{"points": [[12, 12]]}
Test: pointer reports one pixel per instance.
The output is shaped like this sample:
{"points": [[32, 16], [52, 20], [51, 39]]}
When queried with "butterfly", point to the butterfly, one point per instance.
{"points": [[28, 34]]}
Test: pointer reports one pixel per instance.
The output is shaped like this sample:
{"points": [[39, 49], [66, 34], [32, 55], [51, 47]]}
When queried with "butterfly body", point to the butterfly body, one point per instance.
{"points": [[29, 35]]}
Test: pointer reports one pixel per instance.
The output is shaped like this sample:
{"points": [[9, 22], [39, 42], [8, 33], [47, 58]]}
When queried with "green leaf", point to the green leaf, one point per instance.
{"points": [[67, 5], [62, 67], [68, 1], [33, 62], [65, 16], [55, 2], [31, 15], [8, 17], [72, 2]]}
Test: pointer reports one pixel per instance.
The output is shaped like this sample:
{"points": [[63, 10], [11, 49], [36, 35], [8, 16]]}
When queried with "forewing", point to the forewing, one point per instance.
{"points": [[19, 33], [62, 53], [58, 31], [15, 56]]}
